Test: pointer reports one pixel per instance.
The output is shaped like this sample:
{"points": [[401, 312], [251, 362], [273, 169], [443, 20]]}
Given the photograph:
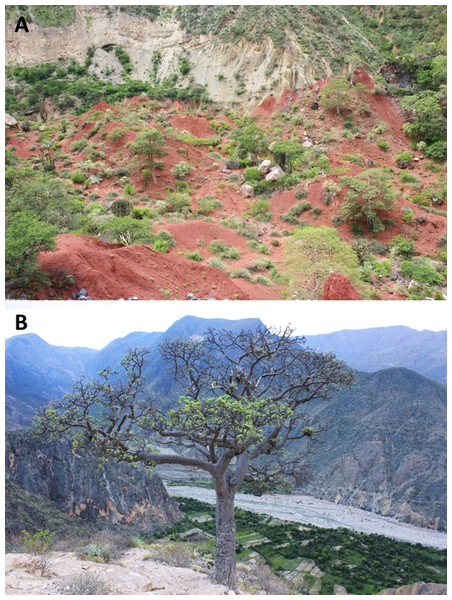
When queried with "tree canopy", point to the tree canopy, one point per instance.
{"points": [[149, 144], [243, 402], [368, 193]]}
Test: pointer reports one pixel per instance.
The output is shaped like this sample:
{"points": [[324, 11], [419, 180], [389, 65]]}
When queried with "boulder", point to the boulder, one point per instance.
{"points": [[271, 146], [339, 590], [10, 121], [339, 287], [264, 167], [247, 190], [315, 106], [275, 174], [307, 144], [232, 164], [369, 162], [417, 589]]}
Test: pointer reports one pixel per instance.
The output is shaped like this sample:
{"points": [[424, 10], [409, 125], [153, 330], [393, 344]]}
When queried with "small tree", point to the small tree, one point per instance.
{"points": [[286, 152], [312, 254], [243, 403], [336, 95], [369, 193], [149, 144]]}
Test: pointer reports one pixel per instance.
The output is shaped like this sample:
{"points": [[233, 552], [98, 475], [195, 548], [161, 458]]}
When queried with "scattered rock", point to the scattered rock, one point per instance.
{"points": [[232, 164], [264, 167], [339, 287], [271, 146], [106, 66], [41, 128], [418, 589], [307, 144], [275, 174], [10, 121], [403, 164], [369, 162], [339, 590], [315, 106], [421, 220], [247, 190], [226, 171]]}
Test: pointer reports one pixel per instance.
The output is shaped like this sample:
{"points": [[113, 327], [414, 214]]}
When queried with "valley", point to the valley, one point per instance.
{"points": [[298, 508]]}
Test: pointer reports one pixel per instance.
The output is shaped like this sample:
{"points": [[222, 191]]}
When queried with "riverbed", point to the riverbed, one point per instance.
{"points": [[322, 513]]}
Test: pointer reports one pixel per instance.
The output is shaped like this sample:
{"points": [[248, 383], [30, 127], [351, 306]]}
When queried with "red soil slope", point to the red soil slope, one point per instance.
{"points": [[112, 271]]}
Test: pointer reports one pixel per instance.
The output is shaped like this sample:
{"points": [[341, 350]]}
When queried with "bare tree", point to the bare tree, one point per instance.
{"points": [[243, 404]]}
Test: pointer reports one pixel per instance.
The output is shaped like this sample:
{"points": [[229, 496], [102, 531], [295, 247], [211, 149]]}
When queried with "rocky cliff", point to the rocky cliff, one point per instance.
{"points": [[227, 48], [78, 484]]}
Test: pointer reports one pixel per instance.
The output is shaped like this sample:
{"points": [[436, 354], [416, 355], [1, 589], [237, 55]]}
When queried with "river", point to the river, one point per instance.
{"points": [[306, 509]]}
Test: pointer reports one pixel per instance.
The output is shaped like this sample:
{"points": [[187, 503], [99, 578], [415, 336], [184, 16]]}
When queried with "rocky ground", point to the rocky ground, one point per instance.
{"points": [[132, 574], [306, 509]]}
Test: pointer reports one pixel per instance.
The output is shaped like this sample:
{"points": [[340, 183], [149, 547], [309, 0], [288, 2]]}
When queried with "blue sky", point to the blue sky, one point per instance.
{"points": [[95, 324]]}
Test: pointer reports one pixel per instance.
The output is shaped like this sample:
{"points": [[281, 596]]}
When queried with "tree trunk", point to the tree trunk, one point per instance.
{"points": [[225, 571]]}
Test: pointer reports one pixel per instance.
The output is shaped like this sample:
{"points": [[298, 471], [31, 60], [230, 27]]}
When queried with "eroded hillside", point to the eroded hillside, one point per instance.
{"points": [[190, 184]]}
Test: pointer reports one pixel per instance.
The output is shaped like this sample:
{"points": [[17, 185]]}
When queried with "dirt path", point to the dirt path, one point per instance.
{"points": [[132, 575], [306, 509]]}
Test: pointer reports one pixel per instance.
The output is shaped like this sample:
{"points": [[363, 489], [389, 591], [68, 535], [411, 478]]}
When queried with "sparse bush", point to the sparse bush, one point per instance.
{"points": [[195, 256], [84, 584], [252, 174], [402, 246], [121, 208], [175, 554], [301, 193], [208, 205], [216, 263], [383, 145], [181, 170], [408, 178], [291, 216], [161, 246], [223, 250], [117, 134], [79, 145], [241, 274], [262, 280], [78, 177]]}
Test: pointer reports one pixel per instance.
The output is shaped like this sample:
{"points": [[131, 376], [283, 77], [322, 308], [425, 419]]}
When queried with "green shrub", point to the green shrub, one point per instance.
{"points": [[181, 170], [208, 205], [402, 246], [195, 256], [241, 274], [421, 271], [122, 172], [257, 208], [301, 193], [84, 584], [223, 250], [216, 263], [262, 280], [258, 246], [117, 134], [129, 190], [383, 145], [404, 157], [252, 174], [121, 208], [408, 178], [142, 213], [161, 245], [79, 145], [291, 216], [437, 150], [78, 177]]}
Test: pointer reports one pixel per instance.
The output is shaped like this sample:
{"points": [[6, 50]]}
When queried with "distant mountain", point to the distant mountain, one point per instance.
{"points": [[384, 448], [382, 347], [36, 373], [385, 440]]}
